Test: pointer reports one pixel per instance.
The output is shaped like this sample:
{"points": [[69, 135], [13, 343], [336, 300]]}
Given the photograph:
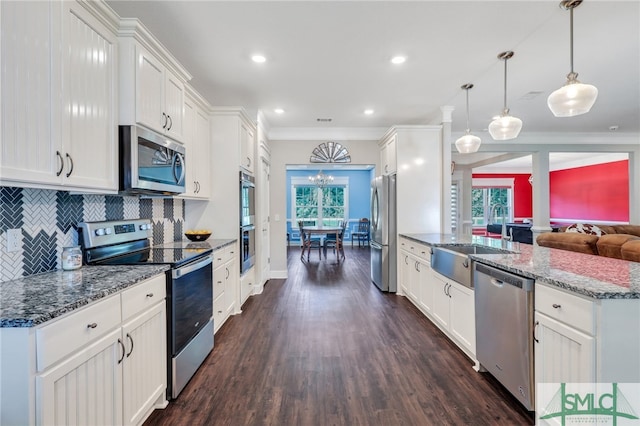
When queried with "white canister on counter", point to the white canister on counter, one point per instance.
{"points": [[71, 258]]}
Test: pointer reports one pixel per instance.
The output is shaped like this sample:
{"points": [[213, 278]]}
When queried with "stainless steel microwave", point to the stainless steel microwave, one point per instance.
{"points": [[150, 163]]}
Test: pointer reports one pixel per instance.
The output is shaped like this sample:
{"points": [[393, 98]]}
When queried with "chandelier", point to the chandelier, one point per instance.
{"points": [[321, 180]]}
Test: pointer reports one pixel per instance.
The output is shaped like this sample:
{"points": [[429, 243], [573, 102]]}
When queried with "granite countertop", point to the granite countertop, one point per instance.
{"points": [[33, 300], [597, 277], [213, 244]]}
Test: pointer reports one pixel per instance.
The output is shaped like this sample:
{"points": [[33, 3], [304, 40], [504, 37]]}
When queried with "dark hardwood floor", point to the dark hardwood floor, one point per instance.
{"points": [[326, 347]]}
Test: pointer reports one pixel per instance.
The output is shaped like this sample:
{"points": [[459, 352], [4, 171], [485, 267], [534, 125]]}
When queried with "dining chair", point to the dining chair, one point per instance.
{"points": [[307, 243], [362, 232], [338, 244]]}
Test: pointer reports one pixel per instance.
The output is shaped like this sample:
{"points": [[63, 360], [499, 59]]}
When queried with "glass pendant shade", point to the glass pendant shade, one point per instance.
{"points": [[468, 144], [572, 99], [505, 127]]}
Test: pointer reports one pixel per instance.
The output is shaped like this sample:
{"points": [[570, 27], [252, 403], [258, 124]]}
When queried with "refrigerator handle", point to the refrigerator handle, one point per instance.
{"points": [[374, 214]]}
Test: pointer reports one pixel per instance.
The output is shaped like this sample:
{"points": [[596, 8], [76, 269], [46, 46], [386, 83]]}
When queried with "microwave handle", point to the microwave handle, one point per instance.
{"points": [[174, 166]]}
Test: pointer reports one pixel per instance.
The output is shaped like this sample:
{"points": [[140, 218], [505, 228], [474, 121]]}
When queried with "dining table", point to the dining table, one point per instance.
{"points": [[324, 230]]}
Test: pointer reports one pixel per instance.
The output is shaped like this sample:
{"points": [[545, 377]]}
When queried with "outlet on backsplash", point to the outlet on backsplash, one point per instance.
{"points": [[13, 239]]}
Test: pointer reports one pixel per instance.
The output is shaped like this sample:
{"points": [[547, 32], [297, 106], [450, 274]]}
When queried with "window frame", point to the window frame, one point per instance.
{"points": [[338, 181]]}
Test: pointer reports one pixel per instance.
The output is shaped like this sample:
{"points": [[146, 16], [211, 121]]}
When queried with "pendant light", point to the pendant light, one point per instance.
{"points": [[574, 98], [468, 143], [506, 126]]}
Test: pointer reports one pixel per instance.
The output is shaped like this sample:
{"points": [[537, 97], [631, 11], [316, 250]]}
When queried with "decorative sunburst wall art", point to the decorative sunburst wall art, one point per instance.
{"points": [[330, 152]]}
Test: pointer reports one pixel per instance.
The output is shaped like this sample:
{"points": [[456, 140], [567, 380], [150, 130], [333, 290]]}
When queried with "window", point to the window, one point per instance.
{"points": [[454, 206], [327, 206], [491, 200]]}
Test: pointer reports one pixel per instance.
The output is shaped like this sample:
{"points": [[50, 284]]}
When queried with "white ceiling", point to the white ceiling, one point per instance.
{"points": [[331, 59]]}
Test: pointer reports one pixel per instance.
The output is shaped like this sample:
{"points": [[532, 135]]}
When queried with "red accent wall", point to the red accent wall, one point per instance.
{"points": [[598, 192], [522, 193]]}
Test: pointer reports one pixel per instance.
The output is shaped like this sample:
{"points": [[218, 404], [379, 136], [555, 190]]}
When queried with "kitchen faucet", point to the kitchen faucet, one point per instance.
{"points": [[503, 208]]}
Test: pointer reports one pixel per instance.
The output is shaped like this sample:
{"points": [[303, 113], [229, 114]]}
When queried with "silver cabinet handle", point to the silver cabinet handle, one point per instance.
{"points": [[556, 306], [228, 273], [535, 326], [418, 266], [406, 259], [149, 294], [59, 172], [164, 126], [131, 340], [70, 164], [92, 325], [170, 122]]}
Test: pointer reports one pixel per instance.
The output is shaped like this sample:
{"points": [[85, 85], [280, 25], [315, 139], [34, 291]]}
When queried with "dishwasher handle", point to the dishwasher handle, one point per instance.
{"points": [[505, 277]]}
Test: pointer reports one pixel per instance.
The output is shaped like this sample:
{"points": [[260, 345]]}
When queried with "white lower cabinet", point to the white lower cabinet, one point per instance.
{"points": [[101, 364], [448, 304], [453, 311], [84, 389], [144, 377], [562, 353], [225, 282]]}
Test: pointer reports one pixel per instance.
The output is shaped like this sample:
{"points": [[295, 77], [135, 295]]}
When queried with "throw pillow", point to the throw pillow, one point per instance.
{"points": [[585, 228]]}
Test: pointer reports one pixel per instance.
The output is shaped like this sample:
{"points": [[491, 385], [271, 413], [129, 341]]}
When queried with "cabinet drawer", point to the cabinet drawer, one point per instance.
{"points": [[218, 311], [219, 275], [423, 252], [66, 335], [143, 295], [562, 306], [223, 255]]}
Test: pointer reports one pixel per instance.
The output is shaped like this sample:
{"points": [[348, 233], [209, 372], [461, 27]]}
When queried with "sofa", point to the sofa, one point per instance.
{"points": [[615, 241]]}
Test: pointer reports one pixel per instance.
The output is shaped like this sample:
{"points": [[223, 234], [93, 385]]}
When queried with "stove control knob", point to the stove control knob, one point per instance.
{"points": [[144, 227], [107, 231], [100, 231]]}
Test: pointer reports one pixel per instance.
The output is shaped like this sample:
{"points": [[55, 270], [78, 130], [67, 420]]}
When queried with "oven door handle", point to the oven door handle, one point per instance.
{"points": [[184, 270]]}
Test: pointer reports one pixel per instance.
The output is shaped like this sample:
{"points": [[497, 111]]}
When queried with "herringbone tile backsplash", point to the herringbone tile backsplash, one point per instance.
{"points": [[47, 221]]}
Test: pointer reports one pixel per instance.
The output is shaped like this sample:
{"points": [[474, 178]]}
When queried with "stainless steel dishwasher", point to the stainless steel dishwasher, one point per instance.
{"points": [[504, 327]]}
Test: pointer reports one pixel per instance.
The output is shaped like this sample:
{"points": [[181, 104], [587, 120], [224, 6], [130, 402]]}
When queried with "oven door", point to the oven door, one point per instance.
{"points": [[247, 200], [191, 301], [247, 248], [150, 163]]}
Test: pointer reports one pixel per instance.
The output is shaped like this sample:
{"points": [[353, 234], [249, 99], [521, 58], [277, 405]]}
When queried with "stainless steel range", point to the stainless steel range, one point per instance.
{"points": [[189, 287]]}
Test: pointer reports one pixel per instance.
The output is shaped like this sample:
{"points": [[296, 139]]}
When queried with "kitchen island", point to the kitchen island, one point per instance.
{"points": [[586, 308]]}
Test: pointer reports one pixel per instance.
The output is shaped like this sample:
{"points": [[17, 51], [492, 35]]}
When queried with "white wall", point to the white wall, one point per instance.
{"points": [[298, 152]]}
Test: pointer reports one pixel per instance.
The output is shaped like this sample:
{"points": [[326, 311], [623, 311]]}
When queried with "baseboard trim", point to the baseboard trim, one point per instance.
{"points": [[279, 274]]}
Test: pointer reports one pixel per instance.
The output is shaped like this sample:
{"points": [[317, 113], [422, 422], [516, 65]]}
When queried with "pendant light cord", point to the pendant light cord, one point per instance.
{"points": [[468, 127], [571, 37], [505, 85]]}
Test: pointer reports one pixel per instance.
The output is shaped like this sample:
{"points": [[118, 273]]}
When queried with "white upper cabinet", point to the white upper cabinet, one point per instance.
{"points": [[159, 96], [197, 136], [58, 96], [152, 83], [247, 146], [388, 156]]}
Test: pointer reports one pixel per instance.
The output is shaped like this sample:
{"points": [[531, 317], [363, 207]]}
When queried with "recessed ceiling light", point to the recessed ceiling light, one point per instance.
{"points": [[278, 111], [368, 111], [258, 59], [398, 60]]}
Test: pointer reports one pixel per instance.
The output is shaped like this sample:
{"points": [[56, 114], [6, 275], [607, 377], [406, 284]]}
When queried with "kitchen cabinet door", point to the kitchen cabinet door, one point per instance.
{"points": [[89, 112], [231, 283], [150, 83], [145, 368], [462, 315], [84, 389], [202, 154], [425, 282], [174, 106], [30, 146], [562, 353], [247, 144], [441, 304], [191, 182], [404, 271]]}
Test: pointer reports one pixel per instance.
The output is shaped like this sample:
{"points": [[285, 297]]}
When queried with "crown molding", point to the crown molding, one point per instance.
{"points": [[322, 133]]}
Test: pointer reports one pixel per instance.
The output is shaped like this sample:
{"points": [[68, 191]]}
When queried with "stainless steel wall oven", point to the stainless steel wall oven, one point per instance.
{"points": [[247, 222], [189, 288]]}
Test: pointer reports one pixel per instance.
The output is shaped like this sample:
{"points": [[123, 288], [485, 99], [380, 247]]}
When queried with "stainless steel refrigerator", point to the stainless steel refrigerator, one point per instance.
{"points": [[383, 233]]}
